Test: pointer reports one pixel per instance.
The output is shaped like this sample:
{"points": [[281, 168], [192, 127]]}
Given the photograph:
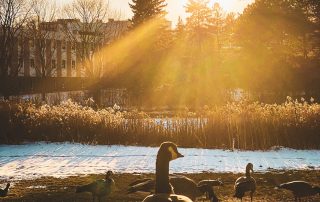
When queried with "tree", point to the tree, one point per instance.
{"points": [[180, 26], [198, 21], [276, 37], [42, 31], [87, 32], [311, 9], [145, 10], [273, 26], [13, 15], [217, 24]]}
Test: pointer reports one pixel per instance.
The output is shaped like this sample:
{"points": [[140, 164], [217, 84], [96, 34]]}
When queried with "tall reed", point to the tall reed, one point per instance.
{"points": [[241, 125]]}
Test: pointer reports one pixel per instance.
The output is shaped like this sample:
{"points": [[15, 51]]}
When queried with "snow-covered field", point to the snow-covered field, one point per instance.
{"points": [[61, 160]]}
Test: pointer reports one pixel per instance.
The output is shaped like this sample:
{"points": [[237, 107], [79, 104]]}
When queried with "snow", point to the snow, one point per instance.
{"points": [[36, 160], [37, 187]]}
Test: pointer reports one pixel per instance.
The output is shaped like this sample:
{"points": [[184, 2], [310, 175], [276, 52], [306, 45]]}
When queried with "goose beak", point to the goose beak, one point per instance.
{"points": [[179, 155]]}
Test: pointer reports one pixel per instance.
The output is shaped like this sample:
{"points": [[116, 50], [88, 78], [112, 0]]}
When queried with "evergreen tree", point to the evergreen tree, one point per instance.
{"points": [[198, 22], [144, 10], [180, 26]]}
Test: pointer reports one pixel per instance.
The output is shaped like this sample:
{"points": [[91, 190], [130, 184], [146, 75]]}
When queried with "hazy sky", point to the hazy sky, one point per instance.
{"points": [[175, 7]]}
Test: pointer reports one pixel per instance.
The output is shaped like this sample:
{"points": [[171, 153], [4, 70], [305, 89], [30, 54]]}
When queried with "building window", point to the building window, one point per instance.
{"points": [[53, 64], [73, 64], [63, 64], [32, 63], [73, 46], [63, 44]]}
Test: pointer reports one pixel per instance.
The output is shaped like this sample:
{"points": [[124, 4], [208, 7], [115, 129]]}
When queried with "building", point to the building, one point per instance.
{"points": [[58, 49]]}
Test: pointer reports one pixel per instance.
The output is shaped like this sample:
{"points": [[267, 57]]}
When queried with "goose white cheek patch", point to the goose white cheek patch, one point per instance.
{"points": [[174, 154]]}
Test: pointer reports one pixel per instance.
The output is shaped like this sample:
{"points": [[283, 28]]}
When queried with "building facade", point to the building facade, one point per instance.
{"points": [[60, 48]]}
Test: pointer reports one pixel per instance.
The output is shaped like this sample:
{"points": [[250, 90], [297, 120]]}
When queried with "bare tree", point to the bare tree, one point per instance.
{"points": [[42, 31], [88, 31], [13, 15]]}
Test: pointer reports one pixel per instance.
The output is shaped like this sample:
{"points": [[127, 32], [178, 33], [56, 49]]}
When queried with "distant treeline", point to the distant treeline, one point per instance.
{"points": [[273, 45]]}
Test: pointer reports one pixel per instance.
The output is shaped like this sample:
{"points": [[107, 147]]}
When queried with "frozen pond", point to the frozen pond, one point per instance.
{"points": [[65, 159]]}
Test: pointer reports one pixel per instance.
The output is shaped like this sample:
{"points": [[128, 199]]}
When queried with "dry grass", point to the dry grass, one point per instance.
{"points": [[242, 125]]}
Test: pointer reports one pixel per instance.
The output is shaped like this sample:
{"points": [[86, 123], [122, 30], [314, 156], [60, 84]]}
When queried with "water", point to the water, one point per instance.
{"points": [[61, 160]]}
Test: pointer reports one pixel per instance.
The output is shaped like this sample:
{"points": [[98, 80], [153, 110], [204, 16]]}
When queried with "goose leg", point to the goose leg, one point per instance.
{"points": [[251, 196]]}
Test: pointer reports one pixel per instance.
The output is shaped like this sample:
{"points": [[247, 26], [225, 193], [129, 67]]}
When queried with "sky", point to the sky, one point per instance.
{"points": [[175, 7]]}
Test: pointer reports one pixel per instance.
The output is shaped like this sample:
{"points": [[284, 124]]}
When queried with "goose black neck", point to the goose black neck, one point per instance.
{"points": [[162, 176], [7, 187], [248, 172]]}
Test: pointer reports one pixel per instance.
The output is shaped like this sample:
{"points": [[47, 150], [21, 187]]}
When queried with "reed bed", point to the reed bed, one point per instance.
{"points": [[241, 125]]}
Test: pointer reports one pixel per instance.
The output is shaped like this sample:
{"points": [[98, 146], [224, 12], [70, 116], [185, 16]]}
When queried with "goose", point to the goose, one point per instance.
{"points": [[300, 189], [99, 188], [4, 192], [163, 192], [206, 188], [245, 184], [181, 185]]}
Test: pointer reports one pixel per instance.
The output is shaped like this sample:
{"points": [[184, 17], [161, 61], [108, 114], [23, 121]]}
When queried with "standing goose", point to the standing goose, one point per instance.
{"points": [[245, 184], [99, 188], [4, 192], [300, 189], [163, 192]]}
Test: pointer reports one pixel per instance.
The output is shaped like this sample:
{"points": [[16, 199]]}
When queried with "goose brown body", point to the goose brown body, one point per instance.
{"points": [[99, 188], [4, 192], [180, 184], [245, 184], [300, 189]]}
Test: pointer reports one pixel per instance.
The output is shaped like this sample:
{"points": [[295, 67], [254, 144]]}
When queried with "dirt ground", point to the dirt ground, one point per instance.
{"points": [[53, 189]]}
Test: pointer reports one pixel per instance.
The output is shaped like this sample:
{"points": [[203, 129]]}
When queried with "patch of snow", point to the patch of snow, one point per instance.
{"points": [[37, 187], [36, 160]]}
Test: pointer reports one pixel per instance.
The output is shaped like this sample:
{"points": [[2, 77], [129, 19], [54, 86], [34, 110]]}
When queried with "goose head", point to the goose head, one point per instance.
{"points": [[109, 174], [249, 167], [169, 151]]}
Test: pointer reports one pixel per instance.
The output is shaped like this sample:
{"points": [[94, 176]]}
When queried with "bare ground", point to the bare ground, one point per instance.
{"points": [[55, 189]]}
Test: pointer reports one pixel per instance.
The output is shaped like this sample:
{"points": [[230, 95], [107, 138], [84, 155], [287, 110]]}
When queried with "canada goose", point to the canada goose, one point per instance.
{"points": [[99, 188], [300, 189], [245, 184], [4, 192], [206, 188], [163, 192], [180, 184]]}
